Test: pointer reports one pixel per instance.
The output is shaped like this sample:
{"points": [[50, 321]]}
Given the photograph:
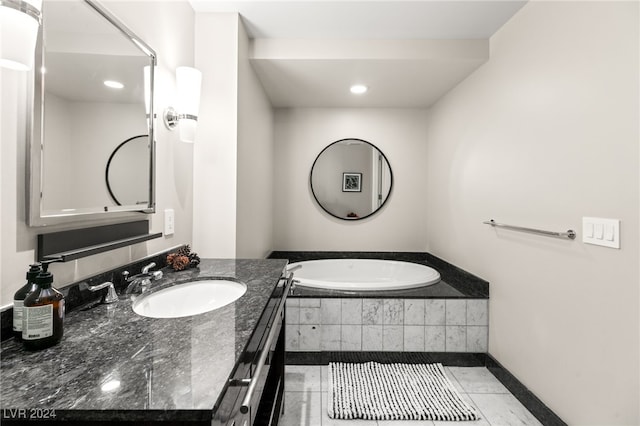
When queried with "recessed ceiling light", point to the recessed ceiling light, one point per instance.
{"points": [[113, 84], [359, 89]]}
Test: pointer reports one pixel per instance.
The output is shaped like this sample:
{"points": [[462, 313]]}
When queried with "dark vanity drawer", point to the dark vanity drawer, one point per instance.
{"points": [[260, 371]]}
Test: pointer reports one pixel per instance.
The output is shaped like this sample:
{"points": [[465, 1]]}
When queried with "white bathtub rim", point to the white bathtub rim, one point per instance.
{"points": [[432, 277]]}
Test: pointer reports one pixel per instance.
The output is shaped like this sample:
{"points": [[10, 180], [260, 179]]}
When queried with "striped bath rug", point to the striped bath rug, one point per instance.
{"points": [[375, 391]]}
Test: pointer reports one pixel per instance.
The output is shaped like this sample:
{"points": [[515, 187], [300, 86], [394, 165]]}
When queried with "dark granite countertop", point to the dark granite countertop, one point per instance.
{"points": [[112, 362]]}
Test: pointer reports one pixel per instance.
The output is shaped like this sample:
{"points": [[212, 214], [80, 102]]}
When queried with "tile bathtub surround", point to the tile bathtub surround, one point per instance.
{"points": [[412, 325]]}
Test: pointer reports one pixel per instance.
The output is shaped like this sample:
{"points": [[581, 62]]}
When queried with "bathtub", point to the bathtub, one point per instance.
{"points": [[363, 274]]}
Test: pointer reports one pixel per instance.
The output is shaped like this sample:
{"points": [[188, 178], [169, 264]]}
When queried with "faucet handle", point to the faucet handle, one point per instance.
{"points": [[111, 295], [145, 269]]}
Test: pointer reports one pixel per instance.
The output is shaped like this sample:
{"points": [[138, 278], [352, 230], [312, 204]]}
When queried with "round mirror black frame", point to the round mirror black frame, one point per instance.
{"points": [[111, 157], [388, 195]]}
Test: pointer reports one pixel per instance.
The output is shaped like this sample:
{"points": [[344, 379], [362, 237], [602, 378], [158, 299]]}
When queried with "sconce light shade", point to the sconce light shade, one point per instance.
{"points": [[189, 81], [19, 23]]}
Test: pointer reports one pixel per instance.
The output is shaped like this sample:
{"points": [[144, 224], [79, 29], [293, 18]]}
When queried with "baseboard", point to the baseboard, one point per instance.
{"points": [[450, 359], [536, 407]]}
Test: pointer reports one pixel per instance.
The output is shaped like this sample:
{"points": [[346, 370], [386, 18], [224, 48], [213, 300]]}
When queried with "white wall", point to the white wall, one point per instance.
{"points": [[300, 135], [12, 240], [168, 28], [6, 103], [254, 218], [543, 134], [234, 147], [215, 149]]}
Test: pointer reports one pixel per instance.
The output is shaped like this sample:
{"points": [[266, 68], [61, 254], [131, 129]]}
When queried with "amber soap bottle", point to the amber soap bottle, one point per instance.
{"points": [[43, 314], [20, 295]]}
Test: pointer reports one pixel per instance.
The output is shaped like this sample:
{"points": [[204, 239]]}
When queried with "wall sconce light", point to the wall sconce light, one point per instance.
{"points": [[188, 104], [19, 23]]}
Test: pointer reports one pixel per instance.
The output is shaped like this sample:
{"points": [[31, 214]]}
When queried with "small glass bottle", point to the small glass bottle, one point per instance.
{"points": [[43, 314], [20, 295]]}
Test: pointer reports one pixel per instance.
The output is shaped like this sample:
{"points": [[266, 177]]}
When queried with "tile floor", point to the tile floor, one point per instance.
{"points": [[306, 400]]}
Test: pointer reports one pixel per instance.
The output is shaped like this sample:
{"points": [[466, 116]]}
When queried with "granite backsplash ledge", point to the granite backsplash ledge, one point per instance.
{"points": [[76, 294]]}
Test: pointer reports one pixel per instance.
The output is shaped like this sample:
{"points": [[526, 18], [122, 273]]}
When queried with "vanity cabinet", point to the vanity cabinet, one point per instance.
{"points": [[254, 394]]}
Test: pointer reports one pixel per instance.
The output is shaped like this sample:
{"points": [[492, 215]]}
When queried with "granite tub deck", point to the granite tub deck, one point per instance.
{"points": [[454, 283], [114, 365]]}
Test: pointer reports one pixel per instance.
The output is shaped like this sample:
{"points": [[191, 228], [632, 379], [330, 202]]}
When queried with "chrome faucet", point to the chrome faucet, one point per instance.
{"points": [[291, 270], [141, 280], [294, 268]]}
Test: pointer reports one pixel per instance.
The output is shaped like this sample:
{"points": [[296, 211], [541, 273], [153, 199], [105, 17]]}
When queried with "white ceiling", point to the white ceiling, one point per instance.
{"points": [[365, 19], [320, 74]]}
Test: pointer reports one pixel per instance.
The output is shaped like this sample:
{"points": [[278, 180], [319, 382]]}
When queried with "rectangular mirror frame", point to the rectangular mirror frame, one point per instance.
{"points": [[35, 140]]}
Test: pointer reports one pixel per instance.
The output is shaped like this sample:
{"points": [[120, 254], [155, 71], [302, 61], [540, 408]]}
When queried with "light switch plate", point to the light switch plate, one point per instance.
{"points": [[601, 232], [169, 222], [588, 230]]}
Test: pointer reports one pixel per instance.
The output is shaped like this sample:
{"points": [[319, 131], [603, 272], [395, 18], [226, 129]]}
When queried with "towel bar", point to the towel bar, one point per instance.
{"points": [[571, 234]]}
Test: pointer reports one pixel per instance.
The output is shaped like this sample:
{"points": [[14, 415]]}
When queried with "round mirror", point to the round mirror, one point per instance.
{"points": [[127, 172], [351, 179]]}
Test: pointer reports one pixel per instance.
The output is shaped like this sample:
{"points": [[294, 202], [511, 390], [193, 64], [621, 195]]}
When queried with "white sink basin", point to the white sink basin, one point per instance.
{"points": [[190, 298]]}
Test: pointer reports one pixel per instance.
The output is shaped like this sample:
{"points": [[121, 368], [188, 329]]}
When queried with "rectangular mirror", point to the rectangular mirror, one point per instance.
{"points": [[93, 90]]}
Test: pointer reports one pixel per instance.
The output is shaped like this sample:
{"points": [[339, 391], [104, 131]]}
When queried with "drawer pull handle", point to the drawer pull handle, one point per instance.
{"points": [[252, 383]]}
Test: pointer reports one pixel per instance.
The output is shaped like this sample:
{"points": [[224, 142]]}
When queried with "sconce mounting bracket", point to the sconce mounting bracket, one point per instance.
{"points": [[171, 118]]}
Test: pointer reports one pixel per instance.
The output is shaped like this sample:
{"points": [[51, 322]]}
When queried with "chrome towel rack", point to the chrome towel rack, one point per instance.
{"points": [[571, 234]]}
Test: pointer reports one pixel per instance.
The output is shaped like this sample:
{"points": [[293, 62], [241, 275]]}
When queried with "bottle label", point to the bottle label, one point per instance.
{"points": [[17, 315], [38, 322]]}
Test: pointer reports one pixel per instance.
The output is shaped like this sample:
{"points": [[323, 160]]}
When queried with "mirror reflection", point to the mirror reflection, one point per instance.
{"points": [[126, 177], [90, 96], [351, 179]]}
